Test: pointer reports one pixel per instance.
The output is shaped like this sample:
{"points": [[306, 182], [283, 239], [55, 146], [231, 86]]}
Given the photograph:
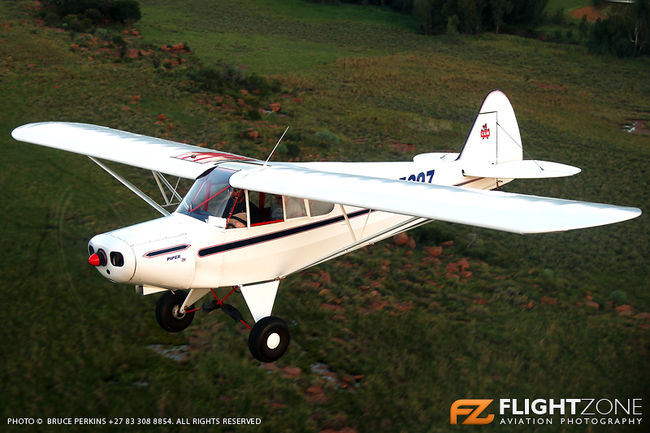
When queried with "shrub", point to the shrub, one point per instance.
{"points": [[125, 11], [328, 137], [78, 24], [618, 297], [83, 15], [228, 77]]}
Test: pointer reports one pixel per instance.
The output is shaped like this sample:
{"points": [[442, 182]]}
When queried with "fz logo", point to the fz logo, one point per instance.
{"points": [[473, 408], [485, 132]]}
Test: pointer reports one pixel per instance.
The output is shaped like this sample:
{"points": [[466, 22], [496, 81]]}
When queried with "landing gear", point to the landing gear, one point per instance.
{"points": [[168, 312], [269, 339]]}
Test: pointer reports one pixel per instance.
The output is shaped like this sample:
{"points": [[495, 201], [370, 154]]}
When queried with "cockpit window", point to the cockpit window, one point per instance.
{"points": [[318, 208], [213, 200], [265, 208], [294, 207]]}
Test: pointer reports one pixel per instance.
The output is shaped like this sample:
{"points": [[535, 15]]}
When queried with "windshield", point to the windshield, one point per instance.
{"points": [[213, 200]]}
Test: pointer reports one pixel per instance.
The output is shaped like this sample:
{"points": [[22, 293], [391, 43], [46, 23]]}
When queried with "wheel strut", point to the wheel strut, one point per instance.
{"points": [[269, 337], [230, 310], [167, 312]]}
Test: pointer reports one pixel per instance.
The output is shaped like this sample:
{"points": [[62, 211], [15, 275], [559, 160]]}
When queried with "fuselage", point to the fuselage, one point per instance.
{"points": [[220, 236]]}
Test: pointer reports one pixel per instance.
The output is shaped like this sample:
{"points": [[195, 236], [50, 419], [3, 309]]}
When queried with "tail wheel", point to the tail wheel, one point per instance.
{"points": [[168, 312], [269, 339]]}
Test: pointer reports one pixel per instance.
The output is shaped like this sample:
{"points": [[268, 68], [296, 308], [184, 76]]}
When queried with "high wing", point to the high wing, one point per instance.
{"points": [[497, 210], [165, 156]]}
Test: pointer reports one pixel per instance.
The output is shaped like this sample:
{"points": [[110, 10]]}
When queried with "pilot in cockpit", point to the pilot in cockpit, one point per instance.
{"points": [[235, 210]]}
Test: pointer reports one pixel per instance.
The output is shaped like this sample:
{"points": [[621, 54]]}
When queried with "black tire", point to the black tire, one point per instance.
{"points": [[166, 312], [269, 339]]}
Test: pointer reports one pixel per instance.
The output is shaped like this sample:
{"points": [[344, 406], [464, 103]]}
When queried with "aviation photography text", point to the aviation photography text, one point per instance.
{"points": [[542, 411]]}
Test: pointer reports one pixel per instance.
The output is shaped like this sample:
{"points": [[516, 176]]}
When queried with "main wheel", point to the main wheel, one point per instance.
{"points": [[167, 312], [269, 339]]}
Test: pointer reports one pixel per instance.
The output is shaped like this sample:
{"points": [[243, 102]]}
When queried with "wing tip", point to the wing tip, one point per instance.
{"points": [[620, 214], [19, 133]]}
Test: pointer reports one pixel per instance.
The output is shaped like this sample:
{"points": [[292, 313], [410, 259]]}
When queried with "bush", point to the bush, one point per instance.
{"points": [[118, 40], [83, 15], [125, 11], [224, 77], [77, 24], [558, 17], [618, 297], [327, 137]]}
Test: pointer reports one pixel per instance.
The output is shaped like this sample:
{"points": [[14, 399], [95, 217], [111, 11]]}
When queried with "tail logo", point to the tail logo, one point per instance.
{"points": [[485, 132]]}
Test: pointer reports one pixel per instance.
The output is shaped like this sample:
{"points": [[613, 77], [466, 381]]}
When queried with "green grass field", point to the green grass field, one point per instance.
{"points": [[384, 339]]}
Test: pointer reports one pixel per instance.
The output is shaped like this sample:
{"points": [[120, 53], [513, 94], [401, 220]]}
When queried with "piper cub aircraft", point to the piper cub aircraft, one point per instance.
{"points": [[246, 224]]}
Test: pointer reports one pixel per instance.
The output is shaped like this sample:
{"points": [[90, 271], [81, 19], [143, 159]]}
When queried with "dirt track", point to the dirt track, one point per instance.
{"points": [[592, 13]]}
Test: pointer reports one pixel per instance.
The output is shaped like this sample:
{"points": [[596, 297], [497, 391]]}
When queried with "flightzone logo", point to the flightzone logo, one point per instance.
{"points": [[472, 408], [540, 411]]}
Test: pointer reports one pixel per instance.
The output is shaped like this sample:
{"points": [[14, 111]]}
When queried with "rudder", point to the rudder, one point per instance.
{"points": [[494, 138]]}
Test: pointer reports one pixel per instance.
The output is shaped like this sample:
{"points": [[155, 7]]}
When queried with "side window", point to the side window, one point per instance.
{"points": [[265, 208], [235, 210], [317, 208], [294, 207]]}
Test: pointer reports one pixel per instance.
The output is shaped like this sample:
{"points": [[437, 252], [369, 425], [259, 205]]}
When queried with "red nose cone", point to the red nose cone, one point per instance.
{"points": [[94, 260]]}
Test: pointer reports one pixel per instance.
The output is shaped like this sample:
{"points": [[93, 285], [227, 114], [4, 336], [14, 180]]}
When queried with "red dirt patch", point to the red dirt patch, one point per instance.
{"points": [[402, 147], [592, 13], [549, 86]]}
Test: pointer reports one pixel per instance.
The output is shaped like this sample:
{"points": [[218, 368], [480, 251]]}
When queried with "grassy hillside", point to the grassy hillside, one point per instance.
{"points": [[384, 339]]}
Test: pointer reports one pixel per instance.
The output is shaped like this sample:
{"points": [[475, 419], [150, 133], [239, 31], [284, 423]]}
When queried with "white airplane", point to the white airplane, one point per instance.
{"points": [[246, 224]]}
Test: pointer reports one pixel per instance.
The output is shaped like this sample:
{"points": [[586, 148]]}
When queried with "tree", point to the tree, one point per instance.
{"points": [[624, 33], [498, 10], [641, 16], [423, 15], [583, 28]]}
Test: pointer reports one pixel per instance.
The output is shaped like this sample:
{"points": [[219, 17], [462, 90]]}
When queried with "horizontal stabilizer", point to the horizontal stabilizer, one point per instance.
{"points": [[526, 169]]}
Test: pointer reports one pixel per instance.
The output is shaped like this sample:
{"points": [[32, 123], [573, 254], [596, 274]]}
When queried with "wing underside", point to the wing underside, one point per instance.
{"points": [[165, 156], [497, 210]]}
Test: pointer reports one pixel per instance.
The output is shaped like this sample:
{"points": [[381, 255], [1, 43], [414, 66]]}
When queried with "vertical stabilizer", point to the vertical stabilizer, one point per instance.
{"points": [[494, 137]]}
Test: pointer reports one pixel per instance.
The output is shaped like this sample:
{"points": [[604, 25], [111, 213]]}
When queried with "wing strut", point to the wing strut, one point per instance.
{"points": [[169, 201], [347, 220], [132, 187]]}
